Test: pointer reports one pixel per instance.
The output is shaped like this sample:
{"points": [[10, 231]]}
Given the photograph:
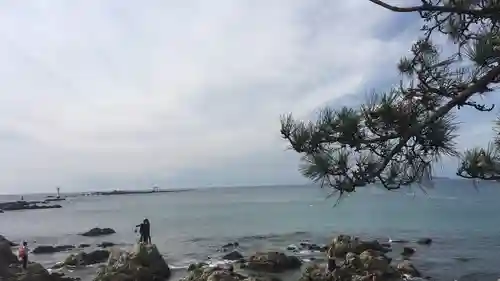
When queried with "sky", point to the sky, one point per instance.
{"points": [[129, 94]]}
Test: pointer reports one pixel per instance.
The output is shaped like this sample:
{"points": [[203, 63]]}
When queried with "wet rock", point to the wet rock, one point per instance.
{"points": [[424, 241], [272, 262], [222, 274], [343, 244], [106, 244], [96, 231], [231, 245], [84, 259], [313, 247], [213, 274], [406, 267], [407, 251], [83, 245], [374, 261], [352, 260], [47, 249], [317, 272], [233, 256], [144, 263]]}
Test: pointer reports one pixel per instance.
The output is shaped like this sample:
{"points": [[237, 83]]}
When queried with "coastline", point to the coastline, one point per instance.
{"points": [[311, 256]]}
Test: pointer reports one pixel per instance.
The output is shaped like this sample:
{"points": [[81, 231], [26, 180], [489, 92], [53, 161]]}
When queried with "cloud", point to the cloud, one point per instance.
{"points": [[122, 94]]}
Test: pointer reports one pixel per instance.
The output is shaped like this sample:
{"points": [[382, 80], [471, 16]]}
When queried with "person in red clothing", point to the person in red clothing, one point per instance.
{"points": [[23, 254]]}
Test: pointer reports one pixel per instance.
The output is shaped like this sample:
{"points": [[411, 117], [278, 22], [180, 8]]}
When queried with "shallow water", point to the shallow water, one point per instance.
{"points": [[191, 226]]}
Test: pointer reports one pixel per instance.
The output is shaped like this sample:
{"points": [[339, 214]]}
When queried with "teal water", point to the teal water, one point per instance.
{"points": [[191, 226]]}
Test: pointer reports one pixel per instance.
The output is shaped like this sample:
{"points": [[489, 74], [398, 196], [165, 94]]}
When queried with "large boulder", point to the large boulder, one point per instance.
{"points": [[213, 274], [47, 249], [143, 263], [96, 231], [84, 259], [373, 261], [343, 244], [220, 273], [316, 272], [6, 259], [406, 267], [272, 262]]}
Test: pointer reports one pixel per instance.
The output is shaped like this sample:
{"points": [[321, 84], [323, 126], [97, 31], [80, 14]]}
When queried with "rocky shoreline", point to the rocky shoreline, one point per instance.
{"points": [[357, 260]]}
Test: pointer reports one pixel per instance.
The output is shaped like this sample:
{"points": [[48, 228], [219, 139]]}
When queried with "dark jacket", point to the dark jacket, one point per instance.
{"points": [[144, 228]]}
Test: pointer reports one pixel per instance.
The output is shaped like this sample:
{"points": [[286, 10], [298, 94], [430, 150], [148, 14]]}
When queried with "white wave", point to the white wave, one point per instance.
{"points": [[215, 263], [397, 240], [174, 267]]}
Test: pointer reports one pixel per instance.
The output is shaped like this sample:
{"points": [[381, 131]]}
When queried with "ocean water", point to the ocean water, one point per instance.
{"points": [[191, 226]]}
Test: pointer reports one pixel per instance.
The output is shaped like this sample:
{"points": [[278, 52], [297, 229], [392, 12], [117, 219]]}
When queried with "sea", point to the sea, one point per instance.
{"points": [[461, 218]]}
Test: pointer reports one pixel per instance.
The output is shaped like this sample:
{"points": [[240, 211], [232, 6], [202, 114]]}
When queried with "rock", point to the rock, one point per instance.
{"points": [[84, 259], [317, 272], [231, 245], [406, 267], [106, 244], [407, 251], [5, 240], [233, 256], [424, 241], [343, 244], [221, 274], [7, 257], [272, 262], [83, 245], [352, 260], [26, 205], [11, 270], [144, 263], [46, 249], [374, 261], [313, 247], [213, 274], [96, 231], [374, 245]]}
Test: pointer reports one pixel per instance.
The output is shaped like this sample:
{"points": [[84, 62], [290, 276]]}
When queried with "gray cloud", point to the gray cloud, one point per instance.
{"points": [[124, 94]]}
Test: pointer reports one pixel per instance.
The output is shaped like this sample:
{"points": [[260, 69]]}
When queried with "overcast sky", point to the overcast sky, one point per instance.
{"points": [[127, 94]]}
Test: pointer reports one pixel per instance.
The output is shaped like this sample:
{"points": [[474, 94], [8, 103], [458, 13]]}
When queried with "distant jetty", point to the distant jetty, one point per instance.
{"points": [[130, 192]]}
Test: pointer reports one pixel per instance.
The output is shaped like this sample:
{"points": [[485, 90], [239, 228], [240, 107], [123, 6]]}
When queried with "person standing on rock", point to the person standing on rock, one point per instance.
{"points": [[23, 254], [145, 231], [330, 254]]}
